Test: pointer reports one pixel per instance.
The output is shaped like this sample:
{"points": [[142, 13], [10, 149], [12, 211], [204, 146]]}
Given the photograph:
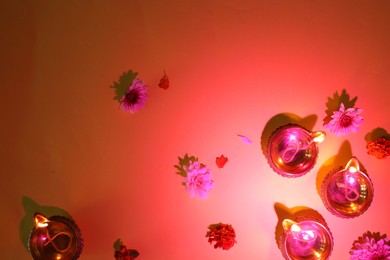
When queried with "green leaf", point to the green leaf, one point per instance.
{"points": [[125, 80], [184, 163]]}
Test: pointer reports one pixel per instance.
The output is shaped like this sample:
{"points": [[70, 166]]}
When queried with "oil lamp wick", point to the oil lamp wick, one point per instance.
{"points": [[349, 181], [293, 146]]}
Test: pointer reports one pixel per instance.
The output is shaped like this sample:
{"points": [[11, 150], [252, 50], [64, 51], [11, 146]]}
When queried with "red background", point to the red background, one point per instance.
{"points": [[233, 65]]}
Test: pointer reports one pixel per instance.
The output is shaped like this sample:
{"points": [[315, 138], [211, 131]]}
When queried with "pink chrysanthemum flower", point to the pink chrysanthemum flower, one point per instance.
{"points": [[198, 181], [345, 121], [371, 246], [135, 96]]}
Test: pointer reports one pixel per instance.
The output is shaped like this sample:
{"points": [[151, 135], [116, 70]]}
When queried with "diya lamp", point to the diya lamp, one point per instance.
{"points": [[292, 150], [56, 237], [307, 239], [347, 193]]}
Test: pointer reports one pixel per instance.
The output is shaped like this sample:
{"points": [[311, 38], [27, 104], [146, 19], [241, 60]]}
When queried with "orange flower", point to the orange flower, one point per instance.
{"points": [[223, 235], [221, 161], [380, 148]]}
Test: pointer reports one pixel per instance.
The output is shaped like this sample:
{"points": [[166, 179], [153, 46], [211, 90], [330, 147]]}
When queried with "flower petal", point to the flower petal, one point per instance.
{"points": [[221, 161]]}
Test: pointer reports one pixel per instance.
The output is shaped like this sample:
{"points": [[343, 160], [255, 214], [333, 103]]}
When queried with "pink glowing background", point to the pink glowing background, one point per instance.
{"points": [[233, 65]]}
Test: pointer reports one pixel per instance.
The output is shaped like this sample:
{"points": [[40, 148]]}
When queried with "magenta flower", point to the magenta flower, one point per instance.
{"points": [[345, 121], [135, 96], [198, 181], [371, 246]]}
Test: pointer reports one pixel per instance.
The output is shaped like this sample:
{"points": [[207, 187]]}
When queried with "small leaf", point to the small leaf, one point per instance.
{"points": [[184, 163], [125, 80]]}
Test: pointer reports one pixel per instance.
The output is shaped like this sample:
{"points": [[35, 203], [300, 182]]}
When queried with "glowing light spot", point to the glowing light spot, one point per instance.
{"points": [[42, 225], [318, 137], [280, 161], [40, 221], [350, 179], [295, 228], [308, 235], [352, 169]]}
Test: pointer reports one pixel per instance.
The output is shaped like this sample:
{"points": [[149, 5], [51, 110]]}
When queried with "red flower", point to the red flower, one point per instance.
{"points": [[125, 254], [380, 148], [221, 161], [223, 235], [164, 82]]}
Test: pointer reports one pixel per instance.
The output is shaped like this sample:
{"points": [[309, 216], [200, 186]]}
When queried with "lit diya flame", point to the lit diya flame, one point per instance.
{"points": [[347, 192], [349, 184], [292, 150], [55, 238], [293, 146], [40, 221], [318, 137], [306, 240], [305, 237]]}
